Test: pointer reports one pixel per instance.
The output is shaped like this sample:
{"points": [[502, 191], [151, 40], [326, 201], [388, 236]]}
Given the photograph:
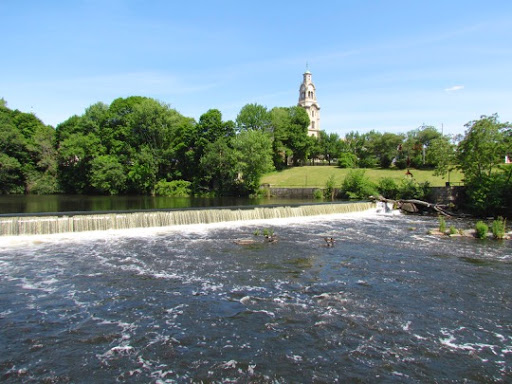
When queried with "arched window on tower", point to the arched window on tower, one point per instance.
{"points": [[312, 125], [313, 113], [303, 95]]}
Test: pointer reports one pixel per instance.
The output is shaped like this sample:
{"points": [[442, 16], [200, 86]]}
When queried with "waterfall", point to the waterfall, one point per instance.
{"points": [[79, 222]]}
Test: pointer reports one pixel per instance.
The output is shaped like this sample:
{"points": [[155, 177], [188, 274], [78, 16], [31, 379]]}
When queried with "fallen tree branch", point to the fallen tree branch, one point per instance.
{"points": [[410, 205]]}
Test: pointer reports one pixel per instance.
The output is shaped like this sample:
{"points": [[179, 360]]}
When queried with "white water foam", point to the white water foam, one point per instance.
{"points": [[197, 229]]}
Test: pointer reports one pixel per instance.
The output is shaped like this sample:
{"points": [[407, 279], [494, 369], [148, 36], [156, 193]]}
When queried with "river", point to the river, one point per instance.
{"points": [[30, 204], [387, 303]]}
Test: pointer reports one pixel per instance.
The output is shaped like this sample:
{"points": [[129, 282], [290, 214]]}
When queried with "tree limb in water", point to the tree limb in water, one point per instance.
{"points": [[401, 204]]}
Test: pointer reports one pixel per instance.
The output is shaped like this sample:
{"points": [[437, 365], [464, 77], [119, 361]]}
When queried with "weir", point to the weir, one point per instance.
{"points": [[85, 221]]}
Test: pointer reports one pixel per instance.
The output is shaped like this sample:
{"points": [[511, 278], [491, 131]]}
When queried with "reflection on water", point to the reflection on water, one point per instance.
{"points": [[10, 204], [189, 304]]}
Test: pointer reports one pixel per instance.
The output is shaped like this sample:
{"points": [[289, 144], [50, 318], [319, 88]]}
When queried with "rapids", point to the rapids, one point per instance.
{"points": [[386, 303]]}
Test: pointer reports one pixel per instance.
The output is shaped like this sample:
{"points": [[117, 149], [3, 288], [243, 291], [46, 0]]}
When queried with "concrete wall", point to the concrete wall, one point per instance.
{"points": [[447, 195]]}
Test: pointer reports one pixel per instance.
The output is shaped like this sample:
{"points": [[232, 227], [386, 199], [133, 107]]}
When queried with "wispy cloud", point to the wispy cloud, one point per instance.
{"points": [[455, 88]]}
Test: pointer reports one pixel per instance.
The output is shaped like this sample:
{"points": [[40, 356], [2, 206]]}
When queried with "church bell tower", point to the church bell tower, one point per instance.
{"points": [[307, 100]]}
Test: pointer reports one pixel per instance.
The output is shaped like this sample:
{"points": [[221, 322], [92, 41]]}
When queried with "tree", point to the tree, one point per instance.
{"points": [[385, 148], [253, 151], [29, 164], [442, 155], [74, 161], [219, 167], [280, 120], [107, 175], [329, 146], [416, 146], [481, 156], [253, 117], [298, 140], [11, 175]]}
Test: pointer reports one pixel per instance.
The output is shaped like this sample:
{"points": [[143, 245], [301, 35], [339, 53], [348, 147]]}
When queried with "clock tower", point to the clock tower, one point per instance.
{"points": [[307, 100]]}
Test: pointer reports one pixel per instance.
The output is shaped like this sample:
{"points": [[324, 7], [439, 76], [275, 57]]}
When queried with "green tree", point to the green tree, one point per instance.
{"points": [[442, 155], [329, 146], [143, 171], [254, 117], [11, 175], [280, 120], [28, 146], [219, 167], [481, 156], [74, 161], [417, 144], [386, 147], [107, 175], [253, 151]]}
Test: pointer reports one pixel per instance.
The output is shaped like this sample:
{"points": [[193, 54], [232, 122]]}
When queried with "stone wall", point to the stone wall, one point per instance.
{"points": [[447, 195], [299, 193]]}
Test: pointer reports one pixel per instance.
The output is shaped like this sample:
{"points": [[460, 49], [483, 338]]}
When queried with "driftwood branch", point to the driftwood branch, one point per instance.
{"points": [[410, 205]]}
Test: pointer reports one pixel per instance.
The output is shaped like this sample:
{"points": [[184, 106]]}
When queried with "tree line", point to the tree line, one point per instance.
{"points": [[138, 145]]}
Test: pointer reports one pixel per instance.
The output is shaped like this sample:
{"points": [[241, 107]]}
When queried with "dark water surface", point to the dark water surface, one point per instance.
{"points": [[12, 204], [387, 303]]}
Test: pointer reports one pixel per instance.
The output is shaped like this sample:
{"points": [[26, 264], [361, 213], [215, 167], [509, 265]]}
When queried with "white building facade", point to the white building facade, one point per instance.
{"points": [[307, 100]]}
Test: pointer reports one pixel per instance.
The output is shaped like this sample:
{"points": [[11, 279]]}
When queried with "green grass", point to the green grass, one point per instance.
{"points": [[317, 176]]}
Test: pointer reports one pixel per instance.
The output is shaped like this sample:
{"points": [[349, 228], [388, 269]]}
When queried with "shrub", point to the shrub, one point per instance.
{"points": [[410, 189], [481, 230], [175, 188], [268, 232], [388, 188], [498, 228], [442, 224], [318, 194], [453, 230], [367, 162], [347, 160], [357, 186], [330, 186]]}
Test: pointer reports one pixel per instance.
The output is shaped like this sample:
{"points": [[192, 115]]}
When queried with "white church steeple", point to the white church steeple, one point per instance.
{"points": [[307, 100]]}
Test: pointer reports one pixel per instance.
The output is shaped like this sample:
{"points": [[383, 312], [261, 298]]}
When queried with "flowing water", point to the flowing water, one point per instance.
{"points": [[386, 303]]}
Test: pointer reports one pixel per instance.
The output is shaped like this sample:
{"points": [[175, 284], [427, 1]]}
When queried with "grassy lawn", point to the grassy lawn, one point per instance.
{"points": [[317, 176]]}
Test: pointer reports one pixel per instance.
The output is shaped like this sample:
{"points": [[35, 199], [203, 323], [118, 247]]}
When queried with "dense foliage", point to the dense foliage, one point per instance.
{"points": [[28, 161], [138, 145]]}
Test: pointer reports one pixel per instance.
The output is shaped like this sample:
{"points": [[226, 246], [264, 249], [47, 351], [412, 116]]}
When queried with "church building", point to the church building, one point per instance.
{"points": [[307, 100]]}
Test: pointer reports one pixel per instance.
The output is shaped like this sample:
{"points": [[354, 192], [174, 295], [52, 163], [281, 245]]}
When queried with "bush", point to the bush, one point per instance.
{"points": [[410, 189], [481, 230], [367, 162], [330, 186], [388, 188], [318, 194], [347, 160], [499, 228], [453, 230], [357, 186], [442, 224], [175, 188]]}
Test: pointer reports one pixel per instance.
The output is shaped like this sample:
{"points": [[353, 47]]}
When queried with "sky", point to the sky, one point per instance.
{"points": [[389, 66]]}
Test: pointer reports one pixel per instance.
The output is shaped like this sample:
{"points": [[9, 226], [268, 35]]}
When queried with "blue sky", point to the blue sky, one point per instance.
{"points": [[390, 66]]}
